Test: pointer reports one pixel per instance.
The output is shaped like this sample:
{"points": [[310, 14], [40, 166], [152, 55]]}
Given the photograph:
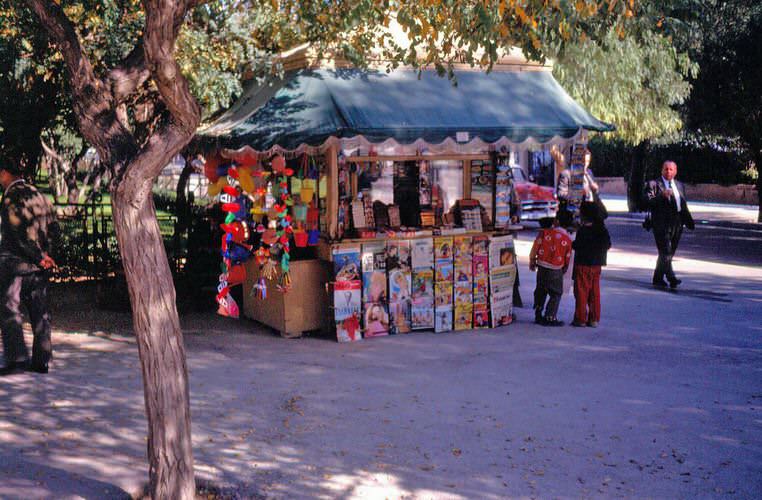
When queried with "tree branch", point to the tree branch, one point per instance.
{"points": [[129, 75], [92, 100], [163, 21], [163, 18], [55, 22], [137, 180]]}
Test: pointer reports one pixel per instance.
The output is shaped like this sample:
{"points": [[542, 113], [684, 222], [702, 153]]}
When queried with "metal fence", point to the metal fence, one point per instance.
{"points": [[88, 248]]}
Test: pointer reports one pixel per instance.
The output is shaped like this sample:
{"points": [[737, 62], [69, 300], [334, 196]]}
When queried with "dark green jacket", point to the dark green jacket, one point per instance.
{"points": [[28, 228]]}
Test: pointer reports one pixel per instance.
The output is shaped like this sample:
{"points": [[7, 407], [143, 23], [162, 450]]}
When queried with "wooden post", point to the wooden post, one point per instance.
{"points": [[332, 197], [466, 179]]}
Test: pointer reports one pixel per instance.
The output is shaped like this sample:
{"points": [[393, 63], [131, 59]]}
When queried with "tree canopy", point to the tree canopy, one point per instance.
{"points": [[130, 93], [638, 81]]}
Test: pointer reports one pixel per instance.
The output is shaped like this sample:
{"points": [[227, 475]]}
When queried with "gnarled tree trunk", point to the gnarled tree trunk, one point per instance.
{"points": [[758, 164], [99, 106], [160, 344]]}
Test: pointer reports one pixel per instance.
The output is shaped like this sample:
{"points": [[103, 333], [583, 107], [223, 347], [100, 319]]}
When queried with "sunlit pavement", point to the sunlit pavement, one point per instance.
{"points": [[663, 400]]}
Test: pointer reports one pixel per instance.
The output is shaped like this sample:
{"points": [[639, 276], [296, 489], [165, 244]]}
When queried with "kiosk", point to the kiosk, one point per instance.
{"points": [[397, 189]]}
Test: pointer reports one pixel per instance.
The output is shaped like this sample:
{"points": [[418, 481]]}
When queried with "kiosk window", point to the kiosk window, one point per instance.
{"points": [[482, 181], [412, 185], [447, 182], [542, 167], [378, 178]]}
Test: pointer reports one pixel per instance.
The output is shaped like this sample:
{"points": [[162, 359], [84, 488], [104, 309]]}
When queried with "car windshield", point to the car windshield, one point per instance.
{"points": [[518, 174]]}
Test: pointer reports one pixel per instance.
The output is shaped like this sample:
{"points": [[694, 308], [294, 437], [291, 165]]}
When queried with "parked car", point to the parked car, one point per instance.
{"points": [[536, 201]]}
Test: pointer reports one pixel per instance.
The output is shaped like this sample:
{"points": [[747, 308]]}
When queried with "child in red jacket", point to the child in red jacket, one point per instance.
{"points": [[550, 256]]}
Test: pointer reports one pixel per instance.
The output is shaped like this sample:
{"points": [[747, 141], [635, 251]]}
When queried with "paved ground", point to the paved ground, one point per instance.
{"points": [[723, 212], [664, 400]]}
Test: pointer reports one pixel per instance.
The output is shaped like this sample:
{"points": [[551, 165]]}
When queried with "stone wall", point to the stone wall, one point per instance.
{"points": [[741, 194]]}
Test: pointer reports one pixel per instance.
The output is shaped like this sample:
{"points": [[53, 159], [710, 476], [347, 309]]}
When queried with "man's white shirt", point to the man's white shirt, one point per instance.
{"points": [[671, 185]]}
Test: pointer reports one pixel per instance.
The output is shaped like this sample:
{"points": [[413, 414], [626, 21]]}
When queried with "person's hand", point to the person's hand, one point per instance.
{"points": [[47, 262], [594, 187], [667, 193], [532, 267], [514, 219]]}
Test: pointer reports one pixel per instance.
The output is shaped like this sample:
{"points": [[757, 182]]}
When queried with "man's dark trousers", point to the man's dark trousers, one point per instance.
{"points": [[667, 238], [32, 289]]}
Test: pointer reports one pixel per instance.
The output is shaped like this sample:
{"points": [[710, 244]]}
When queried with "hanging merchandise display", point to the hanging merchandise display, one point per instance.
{"points": [[502, 274], [503, 193], [347, 292], [422, 296], [244, 188], [400, 284], [464, 307], [577, 180], [443, 284], [481, 281], [374, 296], [234, 246]]}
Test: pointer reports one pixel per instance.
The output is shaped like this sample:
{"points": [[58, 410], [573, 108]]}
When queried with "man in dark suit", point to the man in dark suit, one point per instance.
{"points": [[669, 213]]}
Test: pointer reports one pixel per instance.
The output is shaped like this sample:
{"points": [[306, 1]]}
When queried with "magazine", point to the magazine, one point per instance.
{"points": [[399, 314], [347, 307], [422, 253], [346, 263], [443, 319], [376, 320]]}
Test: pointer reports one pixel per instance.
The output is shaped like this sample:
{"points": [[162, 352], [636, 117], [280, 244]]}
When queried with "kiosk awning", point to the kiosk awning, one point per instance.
{"points": [[309, 106]]}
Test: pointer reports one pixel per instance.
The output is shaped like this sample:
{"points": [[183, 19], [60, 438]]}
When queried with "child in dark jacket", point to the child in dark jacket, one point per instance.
{"points": [[590, 248]]}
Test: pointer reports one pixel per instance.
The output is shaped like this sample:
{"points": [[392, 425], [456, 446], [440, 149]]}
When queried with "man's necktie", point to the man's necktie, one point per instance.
{"points": [[675, 194]]}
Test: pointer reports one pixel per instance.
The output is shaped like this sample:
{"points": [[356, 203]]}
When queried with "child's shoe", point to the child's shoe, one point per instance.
{"points": [[577, 323], [553, 322], [593, 324]]}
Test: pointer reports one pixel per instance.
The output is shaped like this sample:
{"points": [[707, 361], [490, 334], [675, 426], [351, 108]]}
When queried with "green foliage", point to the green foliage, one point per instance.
{"points": [[635, 83], [29, 86], [700, 158], [441, 33], [221, 45], [727, 96]]}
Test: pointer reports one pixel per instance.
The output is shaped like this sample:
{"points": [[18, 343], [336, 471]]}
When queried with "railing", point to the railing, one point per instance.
{"points": [[88, 249]]}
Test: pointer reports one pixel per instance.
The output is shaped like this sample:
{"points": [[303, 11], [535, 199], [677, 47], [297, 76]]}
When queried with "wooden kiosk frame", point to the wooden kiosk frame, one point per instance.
{"points": [[305, 308]]}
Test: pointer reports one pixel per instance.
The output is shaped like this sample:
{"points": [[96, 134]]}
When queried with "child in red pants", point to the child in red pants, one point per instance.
{"points": [[590, 248]]}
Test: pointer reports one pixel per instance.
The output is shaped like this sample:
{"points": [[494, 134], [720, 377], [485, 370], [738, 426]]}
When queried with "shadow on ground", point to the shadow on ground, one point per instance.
{"points": [[662, 400]]}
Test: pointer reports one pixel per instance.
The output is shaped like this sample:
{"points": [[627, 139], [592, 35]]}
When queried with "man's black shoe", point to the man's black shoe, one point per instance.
{"points": [[554, 322], [675, 283], [39, 367], [14, 367], [659, 284], [538, 317]]}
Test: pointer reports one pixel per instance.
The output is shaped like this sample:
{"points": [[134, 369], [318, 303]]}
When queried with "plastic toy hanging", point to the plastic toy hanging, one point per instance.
{"points": [[243, 190]]}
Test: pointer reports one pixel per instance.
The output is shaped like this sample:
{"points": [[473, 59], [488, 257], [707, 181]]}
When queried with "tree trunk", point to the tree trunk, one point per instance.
{"points": [[758, 164], [72, 185], [182, 208], [160, 344], [637, 179]]}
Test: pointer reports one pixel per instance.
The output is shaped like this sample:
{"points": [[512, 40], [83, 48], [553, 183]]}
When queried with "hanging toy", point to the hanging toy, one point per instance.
{"points": [[246, 181], [227, 305], [285, 283], [211, 168], [268, 270], [233, 247], [236, 275], [259, 289], [278, 164]]}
